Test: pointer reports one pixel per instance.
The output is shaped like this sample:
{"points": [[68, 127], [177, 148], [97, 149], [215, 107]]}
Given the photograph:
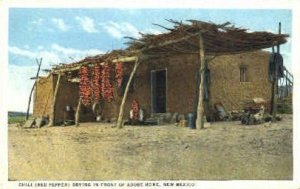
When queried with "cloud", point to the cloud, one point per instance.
{"points": [[19, 86], [38, 22], [65, 50], [21, 52], [87, 24], [74, 54], [119, 30], [60, 24], [48, 56], [55, 53], [152, 31], [40, 47]]}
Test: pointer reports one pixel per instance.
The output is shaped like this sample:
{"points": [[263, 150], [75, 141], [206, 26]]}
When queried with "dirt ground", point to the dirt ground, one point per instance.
{"points": [[93, 151]]}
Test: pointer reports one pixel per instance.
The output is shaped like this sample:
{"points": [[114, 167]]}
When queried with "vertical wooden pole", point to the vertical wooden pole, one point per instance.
{"points": [[275, 82], [274, 92], [279, 32], [200, 108], [34, 86], [78, 112], [52, 120], [121, 112]]}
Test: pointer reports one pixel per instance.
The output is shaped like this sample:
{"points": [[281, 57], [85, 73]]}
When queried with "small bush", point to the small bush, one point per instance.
{"points": [[16, 119]]}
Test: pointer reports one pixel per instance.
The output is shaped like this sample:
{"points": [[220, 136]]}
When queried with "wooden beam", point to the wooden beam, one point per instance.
{"points": [[77, 67], [125, 59], [52, 120], [200, 108], [34, 86], [121, 112], [77, 114], [62, 70]]}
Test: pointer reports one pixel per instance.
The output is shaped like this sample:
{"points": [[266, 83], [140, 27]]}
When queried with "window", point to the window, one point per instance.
{"points": [[243, 74]]}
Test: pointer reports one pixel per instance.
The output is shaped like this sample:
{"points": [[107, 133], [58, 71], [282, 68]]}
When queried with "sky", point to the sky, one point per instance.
{"points": [[69, 34]]}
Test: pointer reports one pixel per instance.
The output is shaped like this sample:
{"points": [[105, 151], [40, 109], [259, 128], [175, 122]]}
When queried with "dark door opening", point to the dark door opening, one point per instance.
{"points": [[158, 91]]}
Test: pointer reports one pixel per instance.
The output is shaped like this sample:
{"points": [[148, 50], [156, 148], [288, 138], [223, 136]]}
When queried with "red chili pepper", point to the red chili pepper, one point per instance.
{"points": [[106, 86], [119, 73], [85, 90], [135, 110], [97, 82]]}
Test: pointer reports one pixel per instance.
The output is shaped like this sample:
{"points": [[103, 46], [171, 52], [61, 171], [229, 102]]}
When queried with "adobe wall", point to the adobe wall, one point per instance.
{"points": [[181, 85], [225, 84], [141, 91], [181, 81], [225, 79], [42, 98], [68, 95]]}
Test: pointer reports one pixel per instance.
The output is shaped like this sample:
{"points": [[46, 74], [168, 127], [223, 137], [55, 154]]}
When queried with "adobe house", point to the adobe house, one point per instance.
{"points": [[188, 69]]}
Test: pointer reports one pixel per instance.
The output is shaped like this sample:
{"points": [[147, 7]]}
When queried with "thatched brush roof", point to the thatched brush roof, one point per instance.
{"points": [[218, 39], [107, 57]]}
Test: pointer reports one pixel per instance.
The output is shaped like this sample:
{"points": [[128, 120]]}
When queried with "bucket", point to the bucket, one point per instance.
{"points": [[191, 120], [183, 123]]}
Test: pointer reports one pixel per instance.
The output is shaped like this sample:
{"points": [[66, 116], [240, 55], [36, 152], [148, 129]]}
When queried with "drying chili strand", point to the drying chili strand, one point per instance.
{"points": [[85, 90]]}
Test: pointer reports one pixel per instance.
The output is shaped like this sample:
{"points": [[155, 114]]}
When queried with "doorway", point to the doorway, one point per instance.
{"points": [[158, 91]]}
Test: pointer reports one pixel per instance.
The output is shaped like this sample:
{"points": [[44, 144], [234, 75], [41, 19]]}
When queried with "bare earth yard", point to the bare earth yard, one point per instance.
{"points": [[93, 151]]}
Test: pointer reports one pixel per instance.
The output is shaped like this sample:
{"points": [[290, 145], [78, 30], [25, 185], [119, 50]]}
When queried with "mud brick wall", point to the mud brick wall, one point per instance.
{"points": [[42, 99], [181, 83], [225, 86], [141, 92], [68, 95], [225, 79]]}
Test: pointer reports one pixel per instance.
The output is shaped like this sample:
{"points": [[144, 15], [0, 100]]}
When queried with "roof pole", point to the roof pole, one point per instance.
{"points": [[200, 108], [77, 114], [34, 86], [121, 112]]}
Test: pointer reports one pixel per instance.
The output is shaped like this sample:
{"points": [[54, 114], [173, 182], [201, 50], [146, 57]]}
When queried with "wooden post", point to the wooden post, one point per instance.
{"points": [[279, 32], [274, 93], [52, 120], [121, 112], [200, 108], [78, 112], [34, 85], [275, 82]]}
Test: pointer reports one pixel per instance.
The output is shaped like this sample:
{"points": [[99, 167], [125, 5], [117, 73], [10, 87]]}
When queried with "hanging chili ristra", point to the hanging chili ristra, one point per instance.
{"points": [[106, 86], [97, 82], [85, 91], [119, 73], [135, 110]]}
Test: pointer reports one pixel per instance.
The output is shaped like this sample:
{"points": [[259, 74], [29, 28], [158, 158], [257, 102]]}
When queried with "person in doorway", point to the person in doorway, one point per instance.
{"points": [[69, 116]]}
